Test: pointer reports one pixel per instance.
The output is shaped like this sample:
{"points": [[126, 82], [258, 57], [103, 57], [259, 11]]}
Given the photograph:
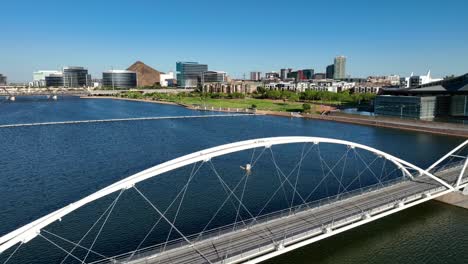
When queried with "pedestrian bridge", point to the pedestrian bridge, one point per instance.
{"points": [[11, 92], [279, 194]]}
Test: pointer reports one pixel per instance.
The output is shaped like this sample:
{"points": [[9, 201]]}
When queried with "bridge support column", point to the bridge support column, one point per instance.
{"points": [[459, 199]]}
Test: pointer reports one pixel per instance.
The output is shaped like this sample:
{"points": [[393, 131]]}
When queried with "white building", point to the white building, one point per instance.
{"points": [[166, 79], [40, 76], [285, 86], [415, 80]]}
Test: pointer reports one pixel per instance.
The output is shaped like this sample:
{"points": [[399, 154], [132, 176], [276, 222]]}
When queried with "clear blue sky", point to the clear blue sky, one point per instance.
{"points": [[235, 36]]}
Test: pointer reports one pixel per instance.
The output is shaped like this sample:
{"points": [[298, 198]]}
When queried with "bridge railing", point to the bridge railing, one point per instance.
{"points": [[447, 166], [247, 223], [351, 217]]}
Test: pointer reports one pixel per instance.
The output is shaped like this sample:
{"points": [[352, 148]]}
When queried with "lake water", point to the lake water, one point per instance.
{"points": [[44, 168]]}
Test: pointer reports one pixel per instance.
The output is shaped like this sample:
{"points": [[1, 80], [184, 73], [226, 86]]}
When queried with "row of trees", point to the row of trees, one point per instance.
{"points": [[310, 95], [307, 96]]}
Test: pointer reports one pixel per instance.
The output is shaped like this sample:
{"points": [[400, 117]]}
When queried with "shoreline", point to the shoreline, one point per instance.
{"points": [[446, 129]]}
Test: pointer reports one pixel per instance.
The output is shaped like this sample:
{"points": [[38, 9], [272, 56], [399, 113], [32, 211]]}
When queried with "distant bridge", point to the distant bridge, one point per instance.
{"points": [[14, 91], [255, 236]]}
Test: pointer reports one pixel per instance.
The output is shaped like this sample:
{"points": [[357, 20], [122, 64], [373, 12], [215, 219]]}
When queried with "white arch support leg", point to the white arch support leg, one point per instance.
{"points": [[462, 173]]}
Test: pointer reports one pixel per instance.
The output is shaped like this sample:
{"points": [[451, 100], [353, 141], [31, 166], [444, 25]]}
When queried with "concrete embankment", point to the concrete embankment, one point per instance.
{"points": [[457, 199], [448, 129]]}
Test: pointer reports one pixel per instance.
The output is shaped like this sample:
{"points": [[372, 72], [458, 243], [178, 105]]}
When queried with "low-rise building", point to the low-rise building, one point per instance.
{"points": [[214, 77], [54, 80], [417, 107], [39, 77], [282, 86], [443, 98], [167, 79], [119, 79], [416, 80], [234, 86]]}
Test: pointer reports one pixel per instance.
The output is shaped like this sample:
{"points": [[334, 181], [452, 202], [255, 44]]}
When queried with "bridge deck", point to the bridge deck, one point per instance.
{"points": [[263, 237]]}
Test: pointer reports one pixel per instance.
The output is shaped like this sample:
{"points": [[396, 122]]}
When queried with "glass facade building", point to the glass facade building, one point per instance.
{"points": [[54, 80], [330, 71], [3, 80], [76, 77], [189, 74], [119, 79], [339, 68], [214, 76]]}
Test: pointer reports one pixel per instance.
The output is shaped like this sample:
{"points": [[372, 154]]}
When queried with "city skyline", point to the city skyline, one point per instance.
{"points": [[393, 38]]}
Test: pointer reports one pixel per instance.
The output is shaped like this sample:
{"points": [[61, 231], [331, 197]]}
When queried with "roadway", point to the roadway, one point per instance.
{"points": [[258, 238]]}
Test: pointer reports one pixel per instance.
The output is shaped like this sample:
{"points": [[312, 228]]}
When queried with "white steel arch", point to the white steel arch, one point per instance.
{"points": [[28, 232]]}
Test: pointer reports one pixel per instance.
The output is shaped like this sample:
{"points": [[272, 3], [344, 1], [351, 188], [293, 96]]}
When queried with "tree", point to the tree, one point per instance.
{"points": [[306, 108], [261, 90]]}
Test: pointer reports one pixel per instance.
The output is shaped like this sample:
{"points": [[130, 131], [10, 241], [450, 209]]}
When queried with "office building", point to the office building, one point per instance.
{"points": [[284, 73], [214, 76], [441, 98], [146, 76], [189, 74], [330, 71], [302, 75], [3, 80], [119, 79], [307, 74], [339, 68], [74, 77], [255, 76], [39, 77], [54, 80]]}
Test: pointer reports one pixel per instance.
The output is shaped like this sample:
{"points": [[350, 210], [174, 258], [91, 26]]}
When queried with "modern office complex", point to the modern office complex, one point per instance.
{"points": [[330, 71], [255, 76], [54, 80], [444, 98], [417, 107], [3, 79], [339, 68], [75, 77], [214, 76], [39, 77], [119, 79], [189, 74]]}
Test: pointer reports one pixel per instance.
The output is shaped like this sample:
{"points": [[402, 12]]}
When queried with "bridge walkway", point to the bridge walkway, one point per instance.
{"points": [[257, 238]]}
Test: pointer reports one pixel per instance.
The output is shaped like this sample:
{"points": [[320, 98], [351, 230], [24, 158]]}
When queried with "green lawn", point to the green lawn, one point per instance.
{"points": [[262, 104]]}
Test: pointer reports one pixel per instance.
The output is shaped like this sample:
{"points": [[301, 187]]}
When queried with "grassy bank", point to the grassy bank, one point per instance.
{"points": [[261, 104], [286, 102]]}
